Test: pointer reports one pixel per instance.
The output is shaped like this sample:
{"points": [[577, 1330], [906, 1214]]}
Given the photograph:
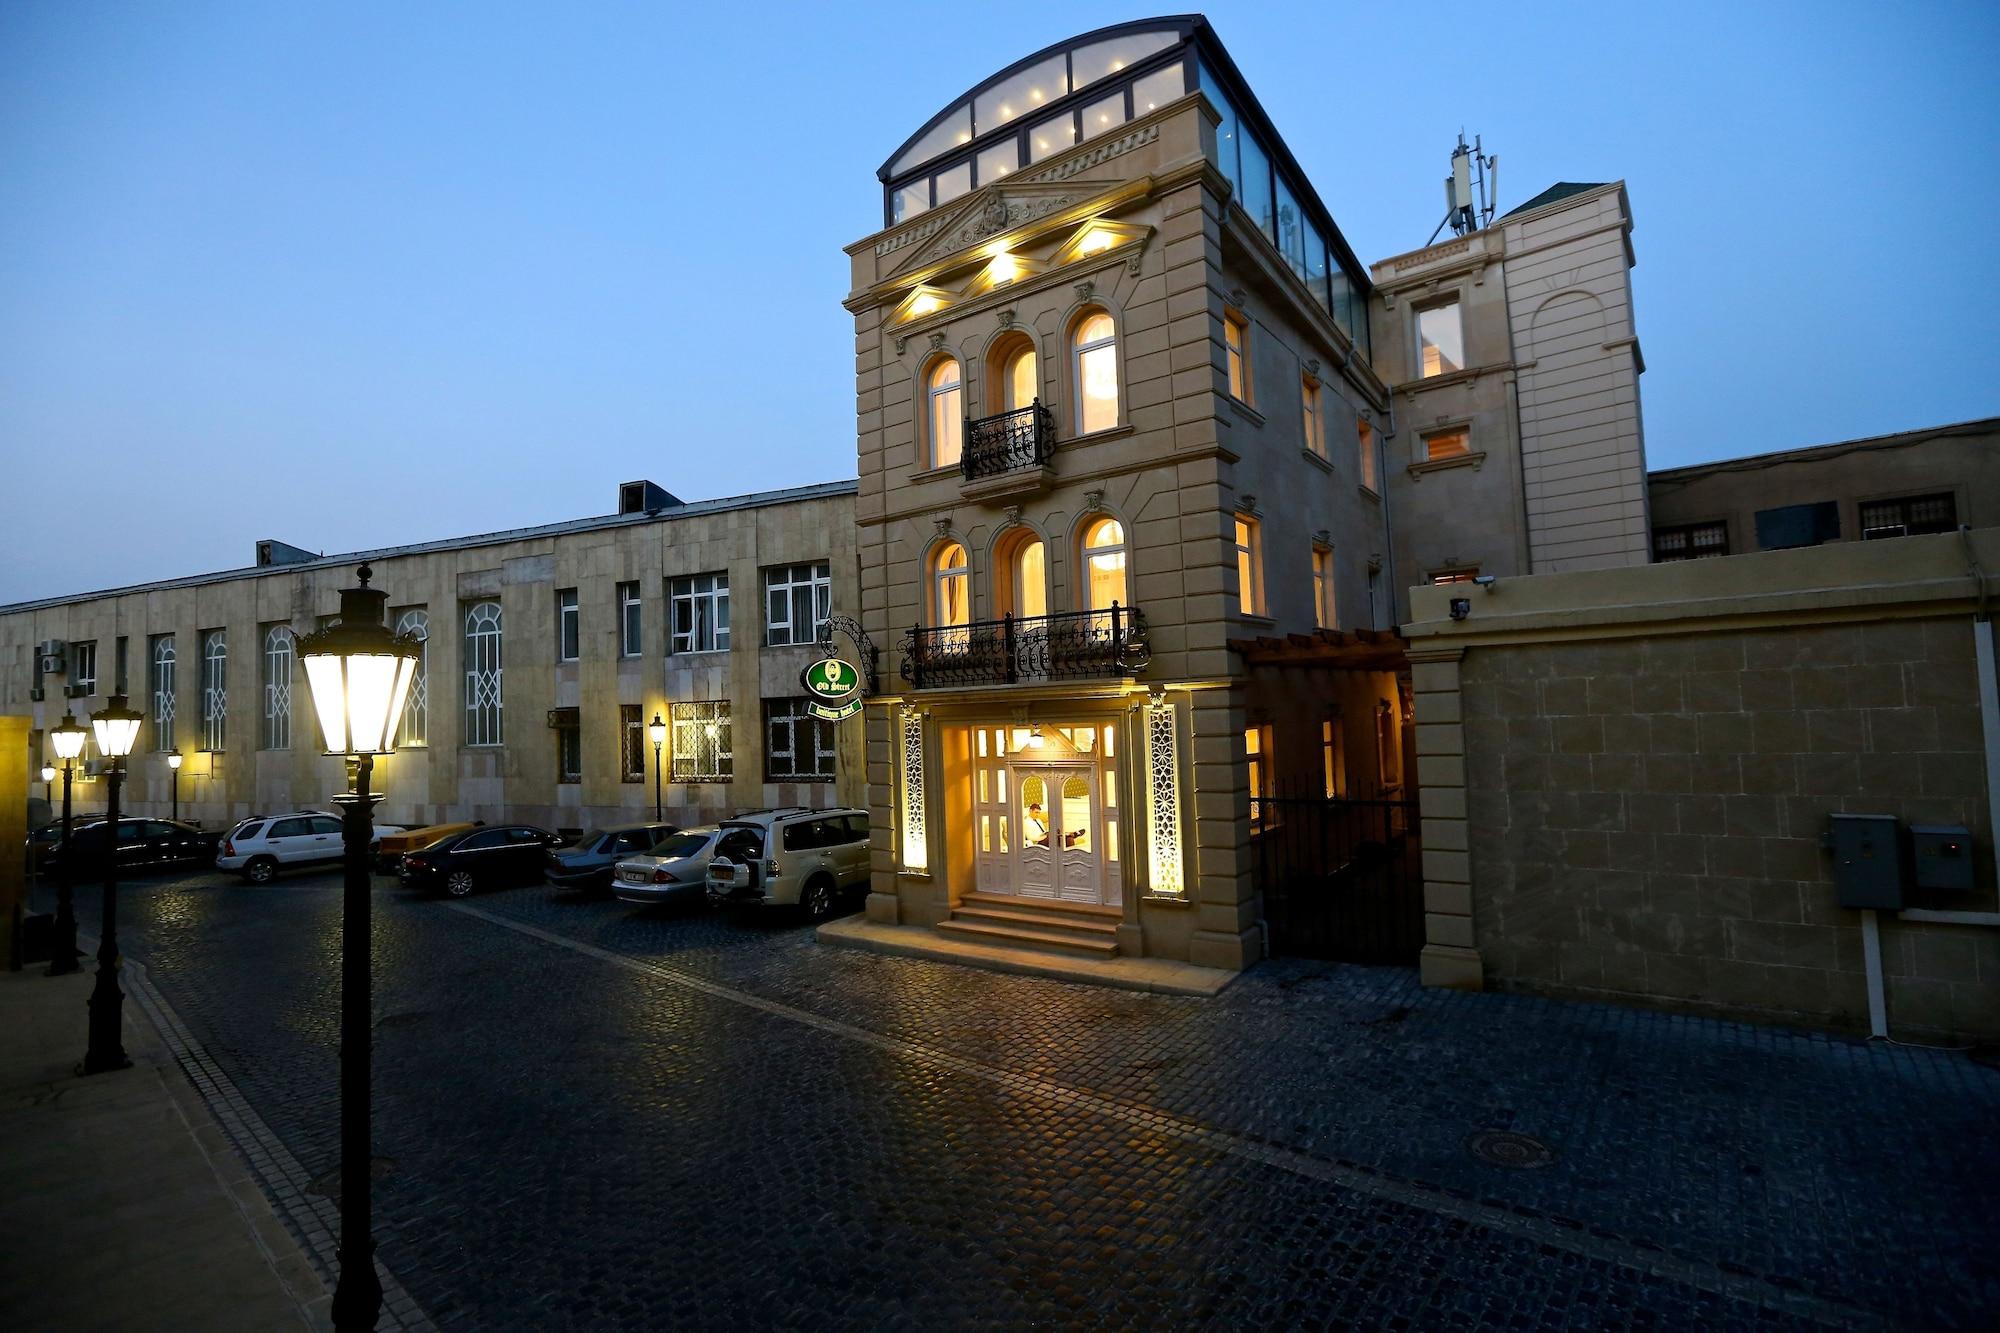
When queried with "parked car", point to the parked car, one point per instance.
{"points": [[389, 851], [587, 863], [143, 844], [262, 845], [793, 855], [674, 869], [481, 858]]}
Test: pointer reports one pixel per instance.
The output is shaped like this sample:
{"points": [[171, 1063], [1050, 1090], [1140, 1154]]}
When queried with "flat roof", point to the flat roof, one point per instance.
{"points": [[692, 509], [1807, 453]]}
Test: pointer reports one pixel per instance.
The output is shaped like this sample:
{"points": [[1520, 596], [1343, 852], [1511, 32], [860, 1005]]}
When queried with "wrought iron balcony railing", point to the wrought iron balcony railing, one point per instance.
{"points": [[1025, 437], [1069, 645]]}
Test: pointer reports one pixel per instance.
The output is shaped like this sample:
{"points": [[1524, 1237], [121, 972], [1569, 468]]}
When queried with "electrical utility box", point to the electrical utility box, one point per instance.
{"points": [[1867, 861], [1941, 856]]}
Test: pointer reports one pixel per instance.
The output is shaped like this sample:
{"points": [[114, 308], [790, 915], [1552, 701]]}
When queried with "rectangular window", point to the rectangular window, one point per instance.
{"points": [[1249, 568], [160, 681], [569, 744], [1690, 541], [631, 743], [700, 610], [568, 628], [214, 689], [1256, 198], [1456, 574], [1236, 341], [1453, 443], [1365, 450], [797, 601], [1333, 757], [1909, 517], [702, 743], [1388, 760], [118, 665], [1323, 607], [1440, 341], [630, 641], [798, 747], [1257, 754], [83, 669], [1315, 418], [1798, 525], [482, 674]]}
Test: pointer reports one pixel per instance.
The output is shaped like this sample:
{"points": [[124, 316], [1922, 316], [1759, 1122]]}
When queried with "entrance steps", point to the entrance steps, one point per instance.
{"points": [[1081, 930]]}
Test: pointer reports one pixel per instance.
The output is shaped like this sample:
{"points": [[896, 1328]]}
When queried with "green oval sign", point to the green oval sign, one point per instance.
{"points": [[831, 679]]}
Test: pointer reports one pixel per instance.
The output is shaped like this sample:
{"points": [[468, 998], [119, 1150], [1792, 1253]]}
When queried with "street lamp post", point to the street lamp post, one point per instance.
{"points": [[68, 739], [359, 674], [657, 729], [48, 782], [174, 771], [117, 726]]}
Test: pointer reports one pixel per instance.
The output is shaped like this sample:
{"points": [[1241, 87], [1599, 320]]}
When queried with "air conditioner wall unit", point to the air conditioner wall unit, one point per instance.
{"points": [[37, 693], [78, 691], [50, 664]]}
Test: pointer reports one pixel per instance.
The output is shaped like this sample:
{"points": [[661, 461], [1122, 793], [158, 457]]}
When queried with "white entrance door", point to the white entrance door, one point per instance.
{"points": [[1057, 854]]}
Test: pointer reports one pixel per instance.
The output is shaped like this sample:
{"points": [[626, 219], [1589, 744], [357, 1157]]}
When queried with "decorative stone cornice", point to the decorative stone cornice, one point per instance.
{"points": [[1097, 154]]}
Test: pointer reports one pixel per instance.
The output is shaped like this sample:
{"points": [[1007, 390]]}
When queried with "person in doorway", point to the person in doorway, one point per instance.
{"points": [[1037, 827]]}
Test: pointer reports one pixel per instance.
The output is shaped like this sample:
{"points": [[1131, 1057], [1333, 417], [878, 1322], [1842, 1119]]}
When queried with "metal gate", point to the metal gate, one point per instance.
{"points": [[1341, 879]]}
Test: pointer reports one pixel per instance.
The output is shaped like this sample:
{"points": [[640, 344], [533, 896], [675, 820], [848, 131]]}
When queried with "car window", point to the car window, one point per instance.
{"points": [[675, 846], [804, 834], [741, 844], [635, 840], [129, 832], [520, 835], [482, 841], [588, 842], [249, 830], [326, 824], [289, 828], [857, 827], [160, 828]]}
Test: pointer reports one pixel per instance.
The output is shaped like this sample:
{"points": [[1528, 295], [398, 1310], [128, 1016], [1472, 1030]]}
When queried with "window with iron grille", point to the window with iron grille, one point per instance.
{"points": [[797, 601], [277, 687], [1908, 517], [414, 729], [798, 747], [702, 744], [632, 743], [700, 610], [630, 642], [569, 744], [214, 689], [160, 669], [482, 674], [1690, 541]]}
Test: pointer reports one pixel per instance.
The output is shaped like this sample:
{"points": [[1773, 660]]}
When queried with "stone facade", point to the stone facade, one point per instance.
{"points": [[1627, 777], [258, 767]]}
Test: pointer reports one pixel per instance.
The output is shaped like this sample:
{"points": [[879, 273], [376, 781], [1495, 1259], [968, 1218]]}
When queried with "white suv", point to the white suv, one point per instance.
{"points": [[794, 855], [259, 848]]}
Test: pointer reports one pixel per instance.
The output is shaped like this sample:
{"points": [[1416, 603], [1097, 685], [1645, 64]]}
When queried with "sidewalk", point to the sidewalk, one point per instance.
{"points": [[122, 1206]]}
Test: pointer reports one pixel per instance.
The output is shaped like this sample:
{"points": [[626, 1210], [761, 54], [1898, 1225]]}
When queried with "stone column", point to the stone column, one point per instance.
{"points": [[1450, 957]]}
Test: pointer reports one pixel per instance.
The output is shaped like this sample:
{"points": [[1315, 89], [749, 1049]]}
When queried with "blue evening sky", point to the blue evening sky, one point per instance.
{"points": [[361, 274]]}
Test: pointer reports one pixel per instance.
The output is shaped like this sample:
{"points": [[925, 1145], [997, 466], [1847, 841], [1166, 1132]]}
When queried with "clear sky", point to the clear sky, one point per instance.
{"points": [[361, 274]]}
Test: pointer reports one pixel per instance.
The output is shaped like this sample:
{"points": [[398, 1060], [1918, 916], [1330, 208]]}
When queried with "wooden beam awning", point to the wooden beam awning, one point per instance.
{"points": [[1350, 650]]}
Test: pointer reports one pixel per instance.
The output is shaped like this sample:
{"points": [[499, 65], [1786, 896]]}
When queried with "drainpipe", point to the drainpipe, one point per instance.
{"points": [[1388, 518]]}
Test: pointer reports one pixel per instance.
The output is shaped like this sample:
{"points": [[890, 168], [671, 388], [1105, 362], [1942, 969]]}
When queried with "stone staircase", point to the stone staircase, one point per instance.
{"points": [[1081, 930]]}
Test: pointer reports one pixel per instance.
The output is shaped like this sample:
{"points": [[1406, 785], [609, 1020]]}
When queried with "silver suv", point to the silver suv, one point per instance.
{"points": [[258, 848], [793, 855]]}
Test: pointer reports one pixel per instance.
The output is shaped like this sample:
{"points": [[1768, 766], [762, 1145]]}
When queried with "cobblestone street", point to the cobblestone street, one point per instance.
{"points": [[591, 1116]]}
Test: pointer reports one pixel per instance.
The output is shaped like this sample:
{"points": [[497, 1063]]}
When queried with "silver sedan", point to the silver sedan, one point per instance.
{"points": [[675, 870]]}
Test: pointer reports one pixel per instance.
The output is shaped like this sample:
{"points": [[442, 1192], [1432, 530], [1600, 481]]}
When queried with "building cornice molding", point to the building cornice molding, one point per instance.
{"points": [[1274, 271]]}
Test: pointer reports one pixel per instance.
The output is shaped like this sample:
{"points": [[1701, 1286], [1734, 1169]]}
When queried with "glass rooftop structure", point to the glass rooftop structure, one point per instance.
{"points": [[1072, 92]]}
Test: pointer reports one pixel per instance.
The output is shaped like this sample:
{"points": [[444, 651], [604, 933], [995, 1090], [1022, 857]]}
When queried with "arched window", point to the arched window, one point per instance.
{"points": [[163, 691], [278, 688], [1021, 574], [1104, 565], [482, 674], [1016, 382], [415, 623], [214, 689], [951, 602], [945, 412], [1095, 372]]}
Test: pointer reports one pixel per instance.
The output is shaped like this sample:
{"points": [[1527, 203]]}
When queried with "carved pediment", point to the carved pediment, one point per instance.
{"points": [[989, 212]]}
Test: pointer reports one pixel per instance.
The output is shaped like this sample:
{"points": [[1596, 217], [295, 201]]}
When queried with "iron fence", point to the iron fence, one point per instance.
{"points": [[1069, 645], [1341, 879]]}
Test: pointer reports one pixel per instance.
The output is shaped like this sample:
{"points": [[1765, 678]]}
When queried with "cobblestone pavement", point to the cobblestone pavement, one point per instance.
{"points": [[599, 1117]]}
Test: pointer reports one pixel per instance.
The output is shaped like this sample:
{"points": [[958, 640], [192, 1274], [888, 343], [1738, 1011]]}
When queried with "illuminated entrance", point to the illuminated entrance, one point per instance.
{"points": [[1045, 812]]}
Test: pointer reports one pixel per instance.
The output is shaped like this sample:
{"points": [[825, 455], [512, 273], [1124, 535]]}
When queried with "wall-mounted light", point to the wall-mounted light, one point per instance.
{"points": [[1461, 607], [1035, 736], [1095, 242]]}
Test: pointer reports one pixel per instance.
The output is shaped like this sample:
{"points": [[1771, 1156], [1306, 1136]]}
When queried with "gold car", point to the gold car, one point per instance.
{"points": [[389, 852]]}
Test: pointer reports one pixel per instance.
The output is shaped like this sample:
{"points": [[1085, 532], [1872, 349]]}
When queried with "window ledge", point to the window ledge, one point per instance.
{"points": [[1368, 491], [697, 652], [1244, 410], [1267, 622], [935, 473], [1472, 460], [1108, 433], [1313, 457]]}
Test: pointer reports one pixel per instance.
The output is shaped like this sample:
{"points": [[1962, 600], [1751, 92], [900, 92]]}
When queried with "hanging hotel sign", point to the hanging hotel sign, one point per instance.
{"points": [[831, 680], [837, 712]]}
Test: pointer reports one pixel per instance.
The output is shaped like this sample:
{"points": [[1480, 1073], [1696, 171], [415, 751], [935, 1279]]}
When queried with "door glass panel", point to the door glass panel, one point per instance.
{"points": [[1076, 813], [1034, 812]]}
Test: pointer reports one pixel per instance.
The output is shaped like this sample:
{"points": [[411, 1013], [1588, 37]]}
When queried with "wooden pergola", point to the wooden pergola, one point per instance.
{"points": [[1344, 649]]}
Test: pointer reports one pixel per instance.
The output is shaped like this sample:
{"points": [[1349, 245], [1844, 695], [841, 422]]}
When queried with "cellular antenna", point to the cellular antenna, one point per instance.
{"points": [[1471, 191]]}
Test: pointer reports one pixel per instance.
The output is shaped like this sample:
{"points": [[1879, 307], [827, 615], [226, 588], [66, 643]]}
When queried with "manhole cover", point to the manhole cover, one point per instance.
{"points": [[329, 1183], [1503, 1147]]}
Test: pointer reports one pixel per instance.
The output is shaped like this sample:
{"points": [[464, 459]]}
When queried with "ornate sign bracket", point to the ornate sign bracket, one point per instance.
{"points": [[864, 647]]}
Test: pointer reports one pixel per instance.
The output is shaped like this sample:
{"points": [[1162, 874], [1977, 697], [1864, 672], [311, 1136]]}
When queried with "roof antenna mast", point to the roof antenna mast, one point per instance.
{"points": [[1471, 172]]}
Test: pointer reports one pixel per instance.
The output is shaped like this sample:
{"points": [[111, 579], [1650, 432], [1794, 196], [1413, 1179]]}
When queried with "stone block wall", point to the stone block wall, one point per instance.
{"points": [[1644, 816]]}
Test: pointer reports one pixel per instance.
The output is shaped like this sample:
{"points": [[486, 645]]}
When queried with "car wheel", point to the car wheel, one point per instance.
{"points": [[261, 870], [458, 883], [816, 899]]}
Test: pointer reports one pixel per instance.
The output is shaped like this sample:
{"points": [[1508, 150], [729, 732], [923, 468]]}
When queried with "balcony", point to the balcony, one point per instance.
{"points": [[1008, 453], [1020, 650]]}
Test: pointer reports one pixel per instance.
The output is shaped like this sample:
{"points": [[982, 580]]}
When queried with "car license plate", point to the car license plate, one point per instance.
{"points": [[632, 876]]}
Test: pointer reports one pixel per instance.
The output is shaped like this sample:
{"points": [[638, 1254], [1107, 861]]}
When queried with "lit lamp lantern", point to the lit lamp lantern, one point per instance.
{"points": [[68, 737], [657, 731], [174, 774], [117, 727], [359, 673]]}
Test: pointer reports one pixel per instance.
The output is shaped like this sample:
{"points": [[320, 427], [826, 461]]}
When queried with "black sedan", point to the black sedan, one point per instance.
{"points": [[481, 858], [143, 844], [588, 863]]}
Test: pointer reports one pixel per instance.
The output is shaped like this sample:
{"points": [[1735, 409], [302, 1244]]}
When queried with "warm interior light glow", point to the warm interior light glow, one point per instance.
{"points": [[916, 842], [1163, 851], [1034, 737]]}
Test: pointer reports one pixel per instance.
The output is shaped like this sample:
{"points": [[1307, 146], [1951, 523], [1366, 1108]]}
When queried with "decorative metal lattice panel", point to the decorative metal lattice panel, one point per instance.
{"points": [[278, 688], [214, 689], [1025, 437], [1069, 645], [704, 749], [916, 842], [163, 692], [415, 726], [482, 674], [1164, 780]]}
